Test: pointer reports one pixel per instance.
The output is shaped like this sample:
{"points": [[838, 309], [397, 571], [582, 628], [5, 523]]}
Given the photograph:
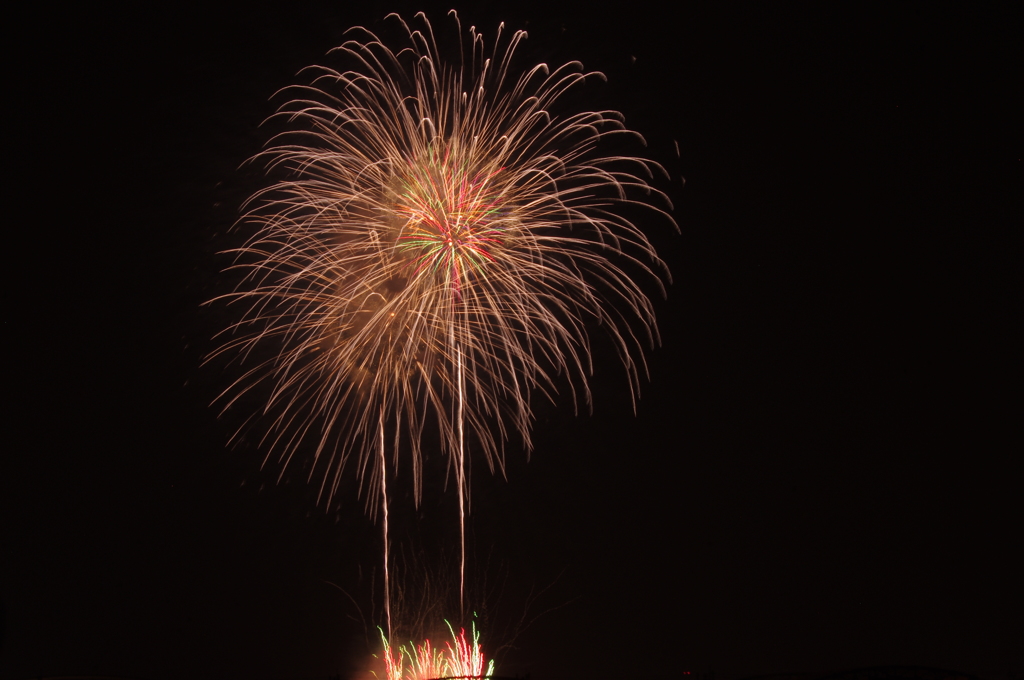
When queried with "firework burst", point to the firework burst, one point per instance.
{"points": [[438, 238]]}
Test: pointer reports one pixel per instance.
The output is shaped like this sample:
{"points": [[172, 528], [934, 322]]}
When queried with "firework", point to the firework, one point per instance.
{"points": [[461, 657], [439, 236], [466, 659]]}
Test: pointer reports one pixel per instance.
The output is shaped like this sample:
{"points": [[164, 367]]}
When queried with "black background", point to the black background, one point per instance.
{"points": [[821, 474]]}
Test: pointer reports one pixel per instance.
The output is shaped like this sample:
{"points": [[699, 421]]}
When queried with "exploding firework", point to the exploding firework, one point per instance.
{"points": [[438, 239]]}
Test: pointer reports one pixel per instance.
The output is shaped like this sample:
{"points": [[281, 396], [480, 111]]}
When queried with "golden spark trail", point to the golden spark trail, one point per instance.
{"points": [[461, 474], [387, 536]]}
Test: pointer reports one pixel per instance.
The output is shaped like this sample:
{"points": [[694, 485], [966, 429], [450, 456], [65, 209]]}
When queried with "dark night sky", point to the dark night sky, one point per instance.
{"points": [[821, 473]]}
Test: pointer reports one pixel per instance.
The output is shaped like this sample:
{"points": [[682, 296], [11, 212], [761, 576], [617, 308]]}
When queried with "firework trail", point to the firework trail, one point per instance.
{"points": [[438, 236]]}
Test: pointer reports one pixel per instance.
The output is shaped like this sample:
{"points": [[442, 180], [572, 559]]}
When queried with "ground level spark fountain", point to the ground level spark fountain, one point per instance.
{"points": [[461, 657]]}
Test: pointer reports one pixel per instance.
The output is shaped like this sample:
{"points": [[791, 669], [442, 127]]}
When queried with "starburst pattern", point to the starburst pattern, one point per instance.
{"points": [[439, 240]]}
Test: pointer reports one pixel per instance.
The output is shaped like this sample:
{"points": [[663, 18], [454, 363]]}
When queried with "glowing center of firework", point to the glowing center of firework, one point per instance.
{"points": [[453, 221]]}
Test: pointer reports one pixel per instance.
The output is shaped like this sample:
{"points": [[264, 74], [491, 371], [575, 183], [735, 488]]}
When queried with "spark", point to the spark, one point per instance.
{"points": [[461, 657]]}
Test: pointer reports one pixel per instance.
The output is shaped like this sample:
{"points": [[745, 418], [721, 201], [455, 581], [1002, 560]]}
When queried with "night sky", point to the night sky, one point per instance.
{"points": [[823, 471]]}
